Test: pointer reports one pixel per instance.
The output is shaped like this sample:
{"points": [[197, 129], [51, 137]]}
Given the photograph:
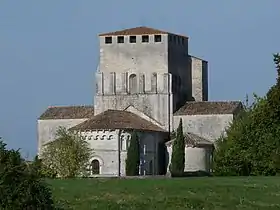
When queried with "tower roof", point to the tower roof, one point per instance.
{"points": [[142, 30]]}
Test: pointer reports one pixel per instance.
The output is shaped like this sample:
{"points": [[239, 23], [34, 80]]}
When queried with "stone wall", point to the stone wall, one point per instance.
{"points": [[196, 158], [199, 71], [107, 145], [178, 66], [46, 129], [137, 57], [210, 127]]}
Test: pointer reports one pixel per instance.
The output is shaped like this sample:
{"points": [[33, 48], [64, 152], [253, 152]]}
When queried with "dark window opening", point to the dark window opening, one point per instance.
{"points": [[108, 40], [183, 41], [157, 38], [132, 39], [120, 39], [145, 38], [95, 167]]}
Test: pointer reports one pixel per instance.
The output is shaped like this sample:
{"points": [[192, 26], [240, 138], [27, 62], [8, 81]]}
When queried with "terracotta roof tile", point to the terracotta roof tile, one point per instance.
{"points": [[68, 112], [142, 30], [193, 140], [209, 107], [116, 119]]}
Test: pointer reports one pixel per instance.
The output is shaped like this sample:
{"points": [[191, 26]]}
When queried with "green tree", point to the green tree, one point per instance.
{"points": [[177, 165], [251, 145], [133, 156], [68, 155], [21, 188]]}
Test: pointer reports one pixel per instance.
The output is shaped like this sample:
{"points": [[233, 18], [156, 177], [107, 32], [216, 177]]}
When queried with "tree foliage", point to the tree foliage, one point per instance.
{"points": [[133, 156], [68, 155], [21, 186], [251, 145], [177, 165]]}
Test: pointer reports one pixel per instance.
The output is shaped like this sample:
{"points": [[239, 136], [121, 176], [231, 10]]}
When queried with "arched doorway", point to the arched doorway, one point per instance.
{"points": [[95, 167]]}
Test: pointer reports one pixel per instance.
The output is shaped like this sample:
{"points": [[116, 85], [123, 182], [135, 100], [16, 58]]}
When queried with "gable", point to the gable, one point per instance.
{"points": [[132, 109]]}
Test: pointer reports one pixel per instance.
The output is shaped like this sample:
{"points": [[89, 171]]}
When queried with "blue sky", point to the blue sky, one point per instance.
{"points": [[49, 50]]}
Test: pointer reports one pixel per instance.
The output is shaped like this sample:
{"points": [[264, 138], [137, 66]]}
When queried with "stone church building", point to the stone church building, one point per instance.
{"points": [[146, 81]]}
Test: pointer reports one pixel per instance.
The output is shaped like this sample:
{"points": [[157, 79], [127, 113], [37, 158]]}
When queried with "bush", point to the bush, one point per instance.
{"points": [[67, 156], [21, 186], [252, 143]]}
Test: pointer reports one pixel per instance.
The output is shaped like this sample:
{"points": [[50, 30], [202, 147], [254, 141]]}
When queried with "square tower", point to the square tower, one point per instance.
{"points": [[145, 68]]}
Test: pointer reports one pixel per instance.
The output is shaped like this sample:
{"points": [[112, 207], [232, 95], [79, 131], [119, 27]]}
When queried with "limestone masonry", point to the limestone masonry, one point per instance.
{"points": [[146, 81]]}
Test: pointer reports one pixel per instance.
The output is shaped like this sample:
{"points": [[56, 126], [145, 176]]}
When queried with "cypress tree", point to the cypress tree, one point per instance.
{"points": [[178, 153], [133, 156]]}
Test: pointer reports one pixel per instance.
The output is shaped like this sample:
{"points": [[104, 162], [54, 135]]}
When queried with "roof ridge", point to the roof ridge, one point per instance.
{"points": [[139, 30]]}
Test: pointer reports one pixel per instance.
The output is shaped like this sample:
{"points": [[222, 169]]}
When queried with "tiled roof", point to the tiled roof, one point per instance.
{"points": [[136, 31], [193, 140], [209, 107], [116, 119], [68, 112]]}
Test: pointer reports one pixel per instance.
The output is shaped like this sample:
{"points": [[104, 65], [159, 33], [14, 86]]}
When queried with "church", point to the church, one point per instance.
{"points": [[146, 81]]}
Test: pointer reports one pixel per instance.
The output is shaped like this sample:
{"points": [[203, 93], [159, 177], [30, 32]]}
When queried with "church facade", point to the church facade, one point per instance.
{"points": [[146, 81]]}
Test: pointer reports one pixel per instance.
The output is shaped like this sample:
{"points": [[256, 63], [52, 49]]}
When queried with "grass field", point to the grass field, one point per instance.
{"points": [[166, 194]]}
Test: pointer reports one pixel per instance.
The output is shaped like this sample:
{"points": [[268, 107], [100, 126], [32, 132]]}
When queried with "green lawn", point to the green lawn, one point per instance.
{"points": [[166, 194]]}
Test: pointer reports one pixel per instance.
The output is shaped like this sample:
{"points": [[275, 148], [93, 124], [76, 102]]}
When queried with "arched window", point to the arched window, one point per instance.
{"points": [[95, 167], [132, 84], [142, 83], [154, 82]]}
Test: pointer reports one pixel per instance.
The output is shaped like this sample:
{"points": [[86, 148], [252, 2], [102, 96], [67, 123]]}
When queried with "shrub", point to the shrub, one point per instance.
{"points": [[67, 156], [252, 143], [21, 186]]}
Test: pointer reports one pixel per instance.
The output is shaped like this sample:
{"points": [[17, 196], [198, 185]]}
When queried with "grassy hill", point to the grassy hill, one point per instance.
{"points": [[189, 193]]}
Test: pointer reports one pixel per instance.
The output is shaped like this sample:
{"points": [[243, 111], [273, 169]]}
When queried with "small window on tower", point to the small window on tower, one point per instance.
{"points": [[145, 38], [120, 39], [108, 40], [157, 38], [132, 39]]}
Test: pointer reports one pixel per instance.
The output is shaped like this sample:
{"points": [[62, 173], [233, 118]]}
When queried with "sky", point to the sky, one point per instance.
{"points": [[49, 51]]}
